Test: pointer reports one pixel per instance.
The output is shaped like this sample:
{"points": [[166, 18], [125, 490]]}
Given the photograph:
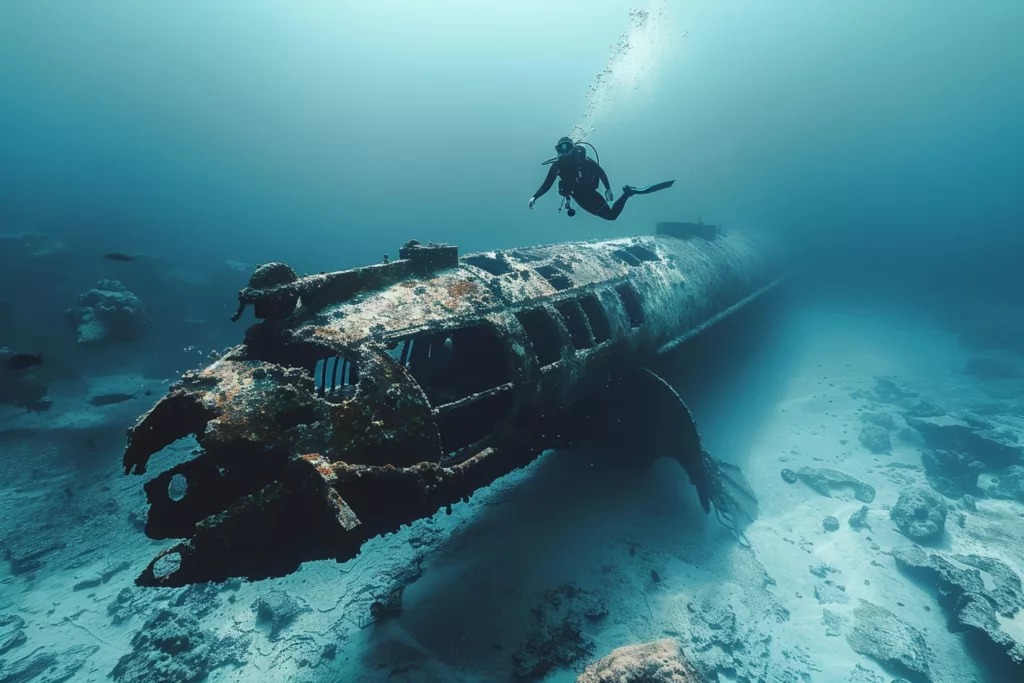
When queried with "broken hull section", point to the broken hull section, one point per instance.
{"points": [[369, 398]]}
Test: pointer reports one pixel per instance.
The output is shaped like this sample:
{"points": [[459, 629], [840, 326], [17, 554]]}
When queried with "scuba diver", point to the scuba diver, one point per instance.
{"points": [[579, 177]]}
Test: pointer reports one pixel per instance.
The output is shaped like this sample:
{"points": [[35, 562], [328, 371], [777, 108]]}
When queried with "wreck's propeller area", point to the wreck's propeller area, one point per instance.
{"points": [[369, 398]]}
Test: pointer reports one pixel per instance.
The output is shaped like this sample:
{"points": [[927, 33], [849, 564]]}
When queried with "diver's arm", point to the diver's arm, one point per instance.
{"points": [[546, 185], [603, 177]]}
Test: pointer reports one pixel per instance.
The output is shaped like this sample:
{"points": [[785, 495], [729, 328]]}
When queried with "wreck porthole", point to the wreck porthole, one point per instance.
{"points": [[631, 300], [177, 487], [555, 277], [336, 377], [576, 323], [542, 331], [167, 564], [598, 320], [452, 364], [641, 253]]}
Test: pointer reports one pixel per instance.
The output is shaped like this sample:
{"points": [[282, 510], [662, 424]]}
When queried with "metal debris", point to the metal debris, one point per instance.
{"points": [[369, 398]]}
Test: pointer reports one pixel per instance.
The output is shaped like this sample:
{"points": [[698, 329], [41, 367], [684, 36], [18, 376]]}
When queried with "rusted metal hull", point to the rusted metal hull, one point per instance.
{"points": [[373, 397]]}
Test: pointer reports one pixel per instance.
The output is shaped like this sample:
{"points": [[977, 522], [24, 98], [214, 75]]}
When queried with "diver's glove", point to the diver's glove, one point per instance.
{"points": [[609, 196], [532, 200]]}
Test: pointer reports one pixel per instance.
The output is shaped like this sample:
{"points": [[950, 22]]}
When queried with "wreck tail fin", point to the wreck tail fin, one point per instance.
{"points": [[713, 479]]}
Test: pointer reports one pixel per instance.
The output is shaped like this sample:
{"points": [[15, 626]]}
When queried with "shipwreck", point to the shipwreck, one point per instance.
{"points": [[365, 399]]}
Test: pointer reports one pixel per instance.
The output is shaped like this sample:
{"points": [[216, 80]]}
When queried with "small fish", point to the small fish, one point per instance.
{"points": [[110, 399], [23, 361], [91, 444], [115, 256]]}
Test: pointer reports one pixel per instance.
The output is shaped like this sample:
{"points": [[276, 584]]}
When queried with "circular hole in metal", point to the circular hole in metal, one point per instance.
{"points": [[177, 488], [167, 565]]}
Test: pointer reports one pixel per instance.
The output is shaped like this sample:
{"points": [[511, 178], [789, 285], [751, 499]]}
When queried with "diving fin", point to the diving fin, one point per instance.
{"points": [[651, 188]]}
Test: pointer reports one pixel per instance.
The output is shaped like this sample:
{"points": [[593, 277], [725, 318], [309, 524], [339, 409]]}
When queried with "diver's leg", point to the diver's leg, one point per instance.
{"points": [[592, 202]]}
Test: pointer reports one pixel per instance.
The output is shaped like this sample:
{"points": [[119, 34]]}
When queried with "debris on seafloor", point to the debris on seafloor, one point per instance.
{"points": [[662, 660], [372, 397], [107, 313]]}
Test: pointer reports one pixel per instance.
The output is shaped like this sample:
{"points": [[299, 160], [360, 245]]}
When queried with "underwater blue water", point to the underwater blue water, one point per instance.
{"points": [[880, 144]]}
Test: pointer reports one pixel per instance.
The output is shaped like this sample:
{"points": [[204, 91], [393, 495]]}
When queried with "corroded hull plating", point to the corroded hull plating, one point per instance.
{"points": [[373, 397]]}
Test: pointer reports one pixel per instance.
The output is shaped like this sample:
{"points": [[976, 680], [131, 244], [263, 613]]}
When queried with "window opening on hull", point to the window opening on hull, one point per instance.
{"points": [[641, 253], [594, 311], [631, 300], [626, 257], [450, 365], [543, 334], [576, 322], [336, 376], [555, 277], [495, 265], [466, 424]]}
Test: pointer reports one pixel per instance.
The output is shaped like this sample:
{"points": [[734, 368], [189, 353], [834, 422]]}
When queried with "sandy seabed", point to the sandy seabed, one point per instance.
{"points": [[568, 559]]}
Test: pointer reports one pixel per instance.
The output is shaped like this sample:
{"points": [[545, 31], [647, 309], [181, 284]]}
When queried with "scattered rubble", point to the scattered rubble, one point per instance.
{"points": [[888, 391], [49, 666], [721, 643], [27, 548], [924, 409], [920, 514], [948, 434], [875, 439], [278, 609], [892, 642], [824, 480], [659, 662], [172, 647], [129, 602], [107, 313], [829, 593], [12, 632], [558, 639], [834, 623], [859, 519], [823, 570]]}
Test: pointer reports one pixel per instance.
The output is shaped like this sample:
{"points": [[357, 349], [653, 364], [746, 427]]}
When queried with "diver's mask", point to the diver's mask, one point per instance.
{"points": [[564, 147]]}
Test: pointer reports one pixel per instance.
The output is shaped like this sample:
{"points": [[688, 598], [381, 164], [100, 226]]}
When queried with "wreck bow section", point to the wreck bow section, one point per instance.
{"points": [[368, 398]]}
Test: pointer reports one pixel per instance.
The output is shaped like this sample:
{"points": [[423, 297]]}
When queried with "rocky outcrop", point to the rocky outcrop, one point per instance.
{"points": [[22, 389], [659, 662], [277, 609], [875, 439], [981, 443], [971, 607], [824, 480], [1009, 485], [107, 313], [29, 246], [920, 514], [952, 474], [889, 640]]}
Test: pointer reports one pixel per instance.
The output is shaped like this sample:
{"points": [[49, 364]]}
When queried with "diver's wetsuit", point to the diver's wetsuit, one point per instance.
{"points": [[579, 179]]}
